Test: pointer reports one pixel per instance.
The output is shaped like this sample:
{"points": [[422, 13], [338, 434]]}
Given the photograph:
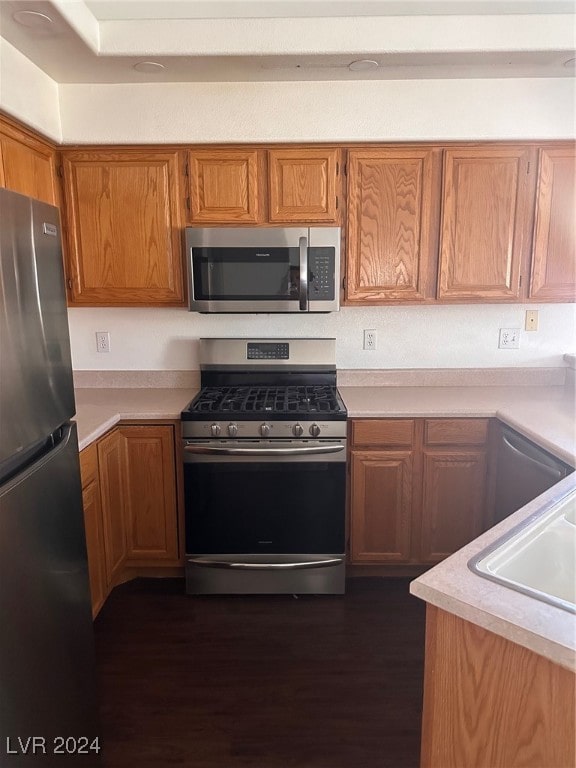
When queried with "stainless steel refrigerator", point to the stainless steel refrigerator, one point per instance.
{"points": [[48, 710]]}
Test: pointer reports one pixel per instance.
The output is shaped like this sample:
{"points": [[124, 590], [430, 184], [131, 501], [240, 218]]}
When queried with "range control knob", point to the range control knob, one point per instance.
{"points": [[215, 430], [232, 429], [297, 430], [314, 430], [264, 429]]}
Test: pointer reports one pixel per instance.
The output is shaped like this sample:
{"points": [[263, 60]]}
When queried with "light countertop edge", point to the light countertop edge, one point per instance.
{"points": [[541, 627]]}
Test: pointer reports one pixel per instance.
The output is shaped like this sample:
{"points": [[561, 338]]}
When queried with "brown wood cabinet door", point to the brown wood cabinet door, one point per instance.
{"points": [[553, 256], [486, 218], [123, 211], [453, 501], [303, 185], [225, 186], [95, 544], [28, 167], [381, 506], [391, 224], [112, 463], [150, 491]]}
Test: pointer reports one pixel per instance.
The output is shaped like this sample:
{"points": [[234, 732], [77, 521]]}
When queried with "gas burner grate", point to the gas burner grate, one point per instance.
{"points": [[271, 400]]}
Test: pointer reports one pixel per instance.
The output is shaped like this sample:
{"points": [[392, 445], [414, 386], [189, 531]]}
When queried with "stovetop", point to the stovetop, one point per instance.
{"points": [[257, 402]]}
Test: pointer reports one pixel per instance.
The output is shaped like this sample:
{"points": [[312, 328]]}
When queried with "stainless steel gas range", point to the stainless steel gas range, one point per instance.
{"points": [[265, 469]]}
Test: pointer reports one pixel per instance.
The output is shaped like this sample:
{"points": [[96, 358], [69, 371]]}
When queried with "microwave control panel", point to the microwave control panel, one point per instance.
{"points": [[321, 269]]}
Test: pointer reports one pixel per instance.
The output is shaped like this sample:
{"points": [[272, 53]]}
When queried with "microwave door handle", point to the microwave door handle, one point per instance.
{"points": [[303, 246]]}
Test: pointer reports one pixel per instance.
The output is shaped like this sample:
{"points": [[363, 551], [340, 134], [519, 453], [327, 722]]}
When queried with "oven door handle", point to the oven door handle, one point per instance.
{"points": [[209, 563], [304, 451], [303, 248]]}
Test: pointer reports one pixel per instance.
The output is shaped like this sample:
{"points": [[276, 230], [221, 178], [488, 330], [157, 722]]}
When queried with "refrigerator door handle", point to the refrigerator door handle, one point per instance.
{"points": [[56, 444]]}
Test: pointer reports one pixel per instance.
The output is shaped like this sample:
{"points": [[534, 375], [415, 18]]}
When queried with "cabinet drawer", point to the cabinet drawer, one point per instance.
{"points": [[455, 431], [382, 432], [89, 464]]}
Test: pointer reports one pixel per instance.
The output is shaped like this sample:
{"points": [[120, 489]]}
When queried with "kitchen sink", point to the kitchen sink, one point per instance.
{"points": [[537, 557]]}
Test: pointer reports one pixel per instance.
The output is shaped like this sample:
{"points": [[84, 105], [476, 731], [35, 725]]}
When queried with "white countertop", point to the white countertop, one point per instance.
{"points": [[99, 409]]}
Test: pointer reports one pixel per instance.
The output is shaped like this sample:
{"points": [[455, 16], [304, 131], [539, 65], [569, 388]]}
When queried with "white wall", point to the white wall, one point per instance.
{"points": [[408, 337], [393, 110], [27, 93]]}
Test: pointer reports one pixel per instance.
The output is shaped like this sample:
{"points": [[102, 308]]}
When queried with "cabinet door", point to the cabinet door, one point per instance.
{"points": [[27, 165], [381, 506], [95, 544], [150, 493], [112, 466], [553, 263], [303, 185], [485, 223], [453, 500], [124, 221], [225, 186], [93, 526], [391, 224]]}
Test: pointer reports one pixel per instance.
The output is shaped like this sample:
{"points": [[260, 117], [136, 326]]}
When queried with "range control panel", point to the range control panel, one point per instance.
{"points": [[268, 350]]}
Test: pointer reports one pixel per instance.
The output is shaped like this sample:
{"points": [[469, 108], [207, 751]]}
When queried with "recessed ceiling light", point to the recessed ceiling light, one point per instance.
{"points": [[148, 66], [362, 65], [32, 19]]}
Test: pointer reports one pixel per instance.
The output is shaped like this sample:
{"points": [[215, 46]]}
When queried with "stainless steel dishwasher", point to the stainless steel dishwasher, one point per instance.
{"points": [[524, 471]]}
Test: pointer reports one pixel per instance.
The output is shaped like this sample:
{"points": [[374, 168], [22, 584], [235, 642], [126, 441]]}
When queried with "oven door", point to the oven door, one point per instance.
{"points": [[265, 516]]}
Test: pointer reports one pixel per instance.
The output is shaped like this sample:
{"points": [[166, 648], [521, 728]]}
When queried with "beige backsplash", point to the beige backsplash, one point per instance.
{"points": [[423, 377]]}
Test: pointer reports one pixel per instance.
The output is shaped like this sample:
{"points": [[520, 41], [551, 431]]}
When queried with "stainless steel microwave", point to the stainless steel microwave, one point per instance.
{"points": [[263, 269]]}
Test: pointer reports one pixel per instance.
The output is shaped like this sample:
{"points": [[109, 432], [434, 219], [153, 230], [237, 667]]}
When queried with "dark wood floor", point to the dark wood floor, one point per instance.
{"points": [[264, 682]]}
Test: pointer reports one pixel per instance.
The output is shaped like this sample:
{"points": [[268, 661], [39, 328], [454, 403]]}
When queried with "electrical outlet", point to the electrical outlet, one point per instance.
{"points": [[509, 338], [370, 340], [531, 322], [102, 341]]}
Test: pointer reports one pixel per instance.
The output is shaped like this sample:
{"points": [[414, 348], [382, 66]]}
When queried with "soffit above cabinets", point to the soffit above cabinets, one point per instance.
{"points": [[135, 41]]}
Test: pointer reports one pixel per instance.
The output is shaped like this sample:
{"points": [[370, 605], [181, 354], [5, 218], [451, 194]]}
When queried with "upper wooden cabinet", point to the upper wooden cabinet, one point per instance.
{"points": [[123, 212], [303, 184], [392, 198], [486, 220], [259, 186], [27, 165], [554, 247], [225, 186]]}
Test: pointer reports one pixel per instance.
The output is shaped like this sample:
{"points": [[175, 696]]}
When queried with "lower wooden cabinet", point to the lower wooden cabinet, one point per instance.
{"points": [[490, 702], [93, 524], [418, 488], [130, 493]]}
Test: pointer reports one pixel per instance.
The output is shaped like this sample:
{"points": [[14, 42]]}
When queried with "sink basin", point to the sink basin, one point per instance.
{"points": [[537, 557]]}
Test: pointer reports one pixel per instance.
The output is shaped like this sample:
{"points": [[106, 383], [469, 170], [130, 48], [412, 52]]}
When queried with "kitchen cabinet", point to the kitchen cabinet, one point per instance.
{"points": [[393, 196], [259, 186], [93, 526], [303, 185], [112, 462], [490, 702], [486, 223], [226, 186], [454, 485], [150, 495], [27, 164], [553, 276], [418, 488], [382, 482], [123, 211], [131, 494]]}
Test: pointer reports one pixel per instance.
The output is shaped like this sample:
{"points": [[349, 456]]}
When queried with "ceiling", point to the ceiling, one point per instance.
{"points": [[100, 41]]}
